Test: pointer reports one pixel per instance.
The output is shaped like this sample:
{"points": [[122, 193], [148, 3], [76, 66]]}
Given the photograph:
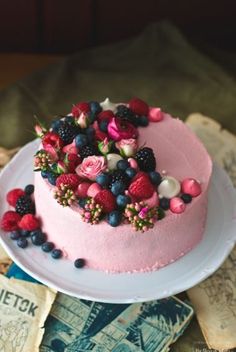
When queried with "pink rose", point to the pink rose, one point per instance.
{"points": [[104, 146], [91, 167], [83, 120], [119, 129], [127, 147]]}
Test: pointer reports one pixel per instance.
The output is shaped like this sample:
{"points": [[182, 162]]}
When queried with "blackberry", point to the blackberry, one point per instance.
{"points": [[146, 159], [124, 113], [118, 175], [88, 150], [67, 132], [24, 205]]}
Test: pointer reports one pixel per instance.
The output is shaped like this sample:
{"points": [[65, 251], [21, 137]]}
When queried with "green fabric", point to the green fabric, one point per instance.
{"points": [[159, 66]]}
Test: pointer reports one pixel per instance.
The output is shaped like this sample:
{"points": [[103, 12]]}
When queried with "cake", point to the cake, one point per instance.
{"points": [[119, 187]]}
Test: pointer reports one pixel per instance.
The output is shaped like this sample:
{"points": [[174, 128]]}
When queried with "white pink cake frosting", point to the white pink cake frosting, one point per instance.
{"points": [[179, 155]]}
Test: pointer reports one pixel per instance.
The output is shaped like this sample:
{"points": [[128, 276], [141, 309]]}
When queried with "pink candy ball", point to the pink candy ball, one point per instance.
{"points": [[155, 115], [133, 163], [177, 205], [82, 189], [93, 189], [191, 186]]}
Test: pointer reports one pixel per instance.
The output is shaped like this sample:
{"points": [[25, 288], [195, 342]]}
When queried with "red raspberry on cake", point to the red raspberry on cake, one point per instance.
{"points": [[141, 188], [14, 195], [79, 108], [106, 199], [29, 222], [105, 115], [10, 221], [72, 161], [71, 180], [138, 106]]}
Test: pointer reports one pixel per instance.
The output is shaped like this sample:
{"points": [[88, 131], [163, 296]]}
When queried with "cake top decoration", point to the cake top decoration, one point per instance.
{"points": [[93, 161]]}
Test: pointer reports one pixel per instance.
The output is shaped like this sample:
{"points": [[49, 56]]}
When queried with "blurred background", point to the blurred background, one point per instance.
{"points": [[168, 53]]}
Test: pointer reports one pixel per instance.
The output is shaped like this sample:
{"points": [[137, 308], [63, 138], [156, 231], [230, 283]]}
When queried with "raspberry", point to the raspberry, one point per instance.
{"points": [[105, 115], [72, 161], [10, 221], [106, 199], [29, 222], [71, 180], [79, 108], [146, 159], [141, 188], [14, 195], [24, 205], [138, 106]]}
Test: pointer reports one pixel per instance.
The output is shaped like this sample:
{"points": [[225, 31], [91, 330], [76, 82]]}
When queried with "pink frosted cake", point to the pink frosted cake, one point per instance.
{"points": [[121, 187]]}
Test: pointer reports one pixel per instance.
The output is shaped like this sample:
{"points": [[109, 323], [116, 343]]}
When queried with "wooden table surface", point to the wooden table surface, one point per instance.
{"points": [[14, 66]]}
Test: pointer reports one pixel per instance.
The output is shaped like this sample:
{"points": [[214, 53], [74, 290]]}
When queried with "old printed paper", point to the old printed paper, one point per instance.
{"points": [[23, 310], [214, 299]]}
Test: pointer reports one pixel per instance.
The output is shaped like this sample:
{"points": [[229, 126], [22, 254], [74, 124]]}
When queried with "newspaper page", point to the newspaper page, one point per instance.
{"points": [[77, 325], [214, 299], [24, 308]]}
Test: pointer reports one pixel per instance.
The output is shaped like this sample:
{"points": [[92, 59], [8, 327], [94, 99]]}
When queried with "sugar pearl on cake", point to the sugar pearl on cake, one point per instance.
{"points": [[191, 186], [177, 205], [169, 187]]}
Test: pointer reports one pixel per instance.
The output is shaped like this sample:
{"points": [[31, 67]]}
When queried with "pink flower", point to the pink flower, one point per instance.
{"points": [[119, 129], [82, 120], [91, 167], [127, 147], [52, 143]]}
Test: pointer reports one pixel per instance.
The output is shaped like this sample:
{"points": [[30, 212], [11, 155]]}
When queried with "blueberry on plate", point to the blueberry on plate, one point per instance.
{"points": [[14, 235], [56, 253], [38, 237], [29, 189], [22, 242], [79, 263], [25, 233], [47, 247]]}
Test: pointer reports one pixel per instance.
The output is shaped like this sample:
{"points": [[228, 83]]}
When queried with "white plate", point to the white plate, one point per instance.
{"points": [[219, 239]]}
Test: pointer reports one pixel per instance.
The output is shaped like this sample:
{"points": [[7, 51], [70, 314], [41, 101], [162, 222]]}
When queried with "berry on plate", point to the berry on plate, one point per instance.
{"points": [[10, 220], [29, 222], [14, 195]]}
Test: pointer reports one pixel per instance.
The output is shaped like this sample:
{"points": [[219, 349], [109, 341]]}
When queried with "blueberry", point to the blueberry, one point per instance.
{"points": [[44, 174], [81, 140], [38, 237], [56, 253], [82, 202], [130, 172], [155, 177], [114, 218], [14, 235], [54, 168], [29, 189], [22, 242], [118, 187], [187, 198], [122, 164], [90, 132], [91, 117], [165, 203], [143, 121], [25, 233], [122, 200], [103, 125], [79, 263], [95, 107], [102, 179], [47, 247], [52, 178]]}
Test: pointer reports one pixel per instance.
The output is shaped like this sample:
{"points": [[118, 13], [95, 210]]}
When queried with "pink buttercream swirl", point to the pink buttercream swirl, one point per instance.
{"points": [[118, 129], [91, 167]]}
